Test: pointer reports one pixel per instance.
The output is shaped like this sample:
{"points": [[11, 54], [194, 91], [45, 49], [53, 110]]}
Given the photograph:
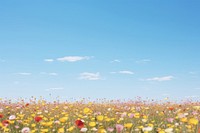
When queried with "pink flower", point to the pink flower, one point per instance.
{"points": [[16, 127], [131, 115], [170, 120], [123, 115], [119, 128], [194, 113], [26, 130], [110, 129]]}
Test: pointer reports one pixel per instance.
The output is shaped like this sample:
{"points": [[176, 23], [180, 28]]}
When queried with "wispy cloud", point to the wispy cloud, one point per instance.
{"points": [[192, 96], [90, 76], [126, 72], [143, 61], [194, 72], [48, 60], [123, 72], [51, 74], [54, 89], [24, 73], [115, 61], [165, 78], [73, 58]]}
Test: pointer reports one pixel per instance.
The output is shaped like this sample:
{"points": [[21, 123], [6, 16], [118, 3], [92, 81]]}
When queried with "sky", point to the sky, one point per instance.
{"points": [[109, 49]]}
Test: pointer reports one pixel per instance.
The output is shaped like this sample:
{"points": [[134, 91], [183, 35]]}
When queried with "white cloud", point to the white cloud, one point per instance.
{"points": [[53, 74], [165, 78], [73, 58], [123, 72], [54, 89], [115, 61], [49, 60], [126, 72], [192, 96], [143, 61], [90, 76], [24, 73]]}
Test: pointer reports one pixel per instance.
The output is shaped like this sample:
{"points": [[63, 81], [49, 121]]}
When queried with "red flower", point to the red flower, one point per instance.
{"points": [[79, 123], [5, 122], [38, 118], [26, 105], [1, 115], [171, 108]]}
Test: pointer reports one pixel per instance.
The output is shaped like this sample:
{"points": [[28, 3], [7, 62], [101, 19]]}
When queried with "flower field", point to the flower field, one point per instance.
{"points": [[104, 116]]}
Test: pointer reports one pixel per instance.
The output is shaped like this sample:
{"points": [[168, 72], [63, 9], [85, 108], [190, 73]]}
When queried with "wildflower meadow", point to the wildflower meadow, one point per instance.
{"points": [[101, 116]]}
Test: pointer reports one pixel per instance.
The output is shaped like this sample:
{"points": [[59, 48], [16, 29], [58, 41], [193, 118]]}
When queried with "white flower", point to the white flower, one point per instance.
{"points": [[12, 117], [147, 129], [94, 129], [46, 111], [57, 122], [26, 130], [169, 130], [1, 110], [83, 129], [176, 124], [144, 120], [39, 113], [186, 114], [137, 129]]}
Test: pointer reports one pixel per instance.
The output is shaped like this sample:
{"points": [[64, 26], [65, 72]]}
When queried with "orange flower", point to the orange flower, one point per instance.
{"points": [[5, 122]]}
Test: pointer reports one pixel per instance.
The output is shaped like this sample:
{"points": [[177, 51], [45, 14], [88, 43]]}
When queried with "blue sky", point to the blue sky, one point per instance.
{"points": [[100, 49]]}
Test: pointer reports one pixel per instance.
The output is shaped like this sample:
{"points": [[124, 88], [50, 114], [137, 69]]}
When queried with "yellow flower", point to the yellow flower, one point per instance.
{"points": [[189, 126], [145, 117], [193, 121], [47, 124], [1, 125], [86, 110], [33, 125], [196, 107], [44, 130], [100, 117], [33, 131], [92, 124], [128, 125], [137, 115], [184, 119], [70, 129], [5, 129], [63, 119], [61, 130], [107, 119], [101, 130]]}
